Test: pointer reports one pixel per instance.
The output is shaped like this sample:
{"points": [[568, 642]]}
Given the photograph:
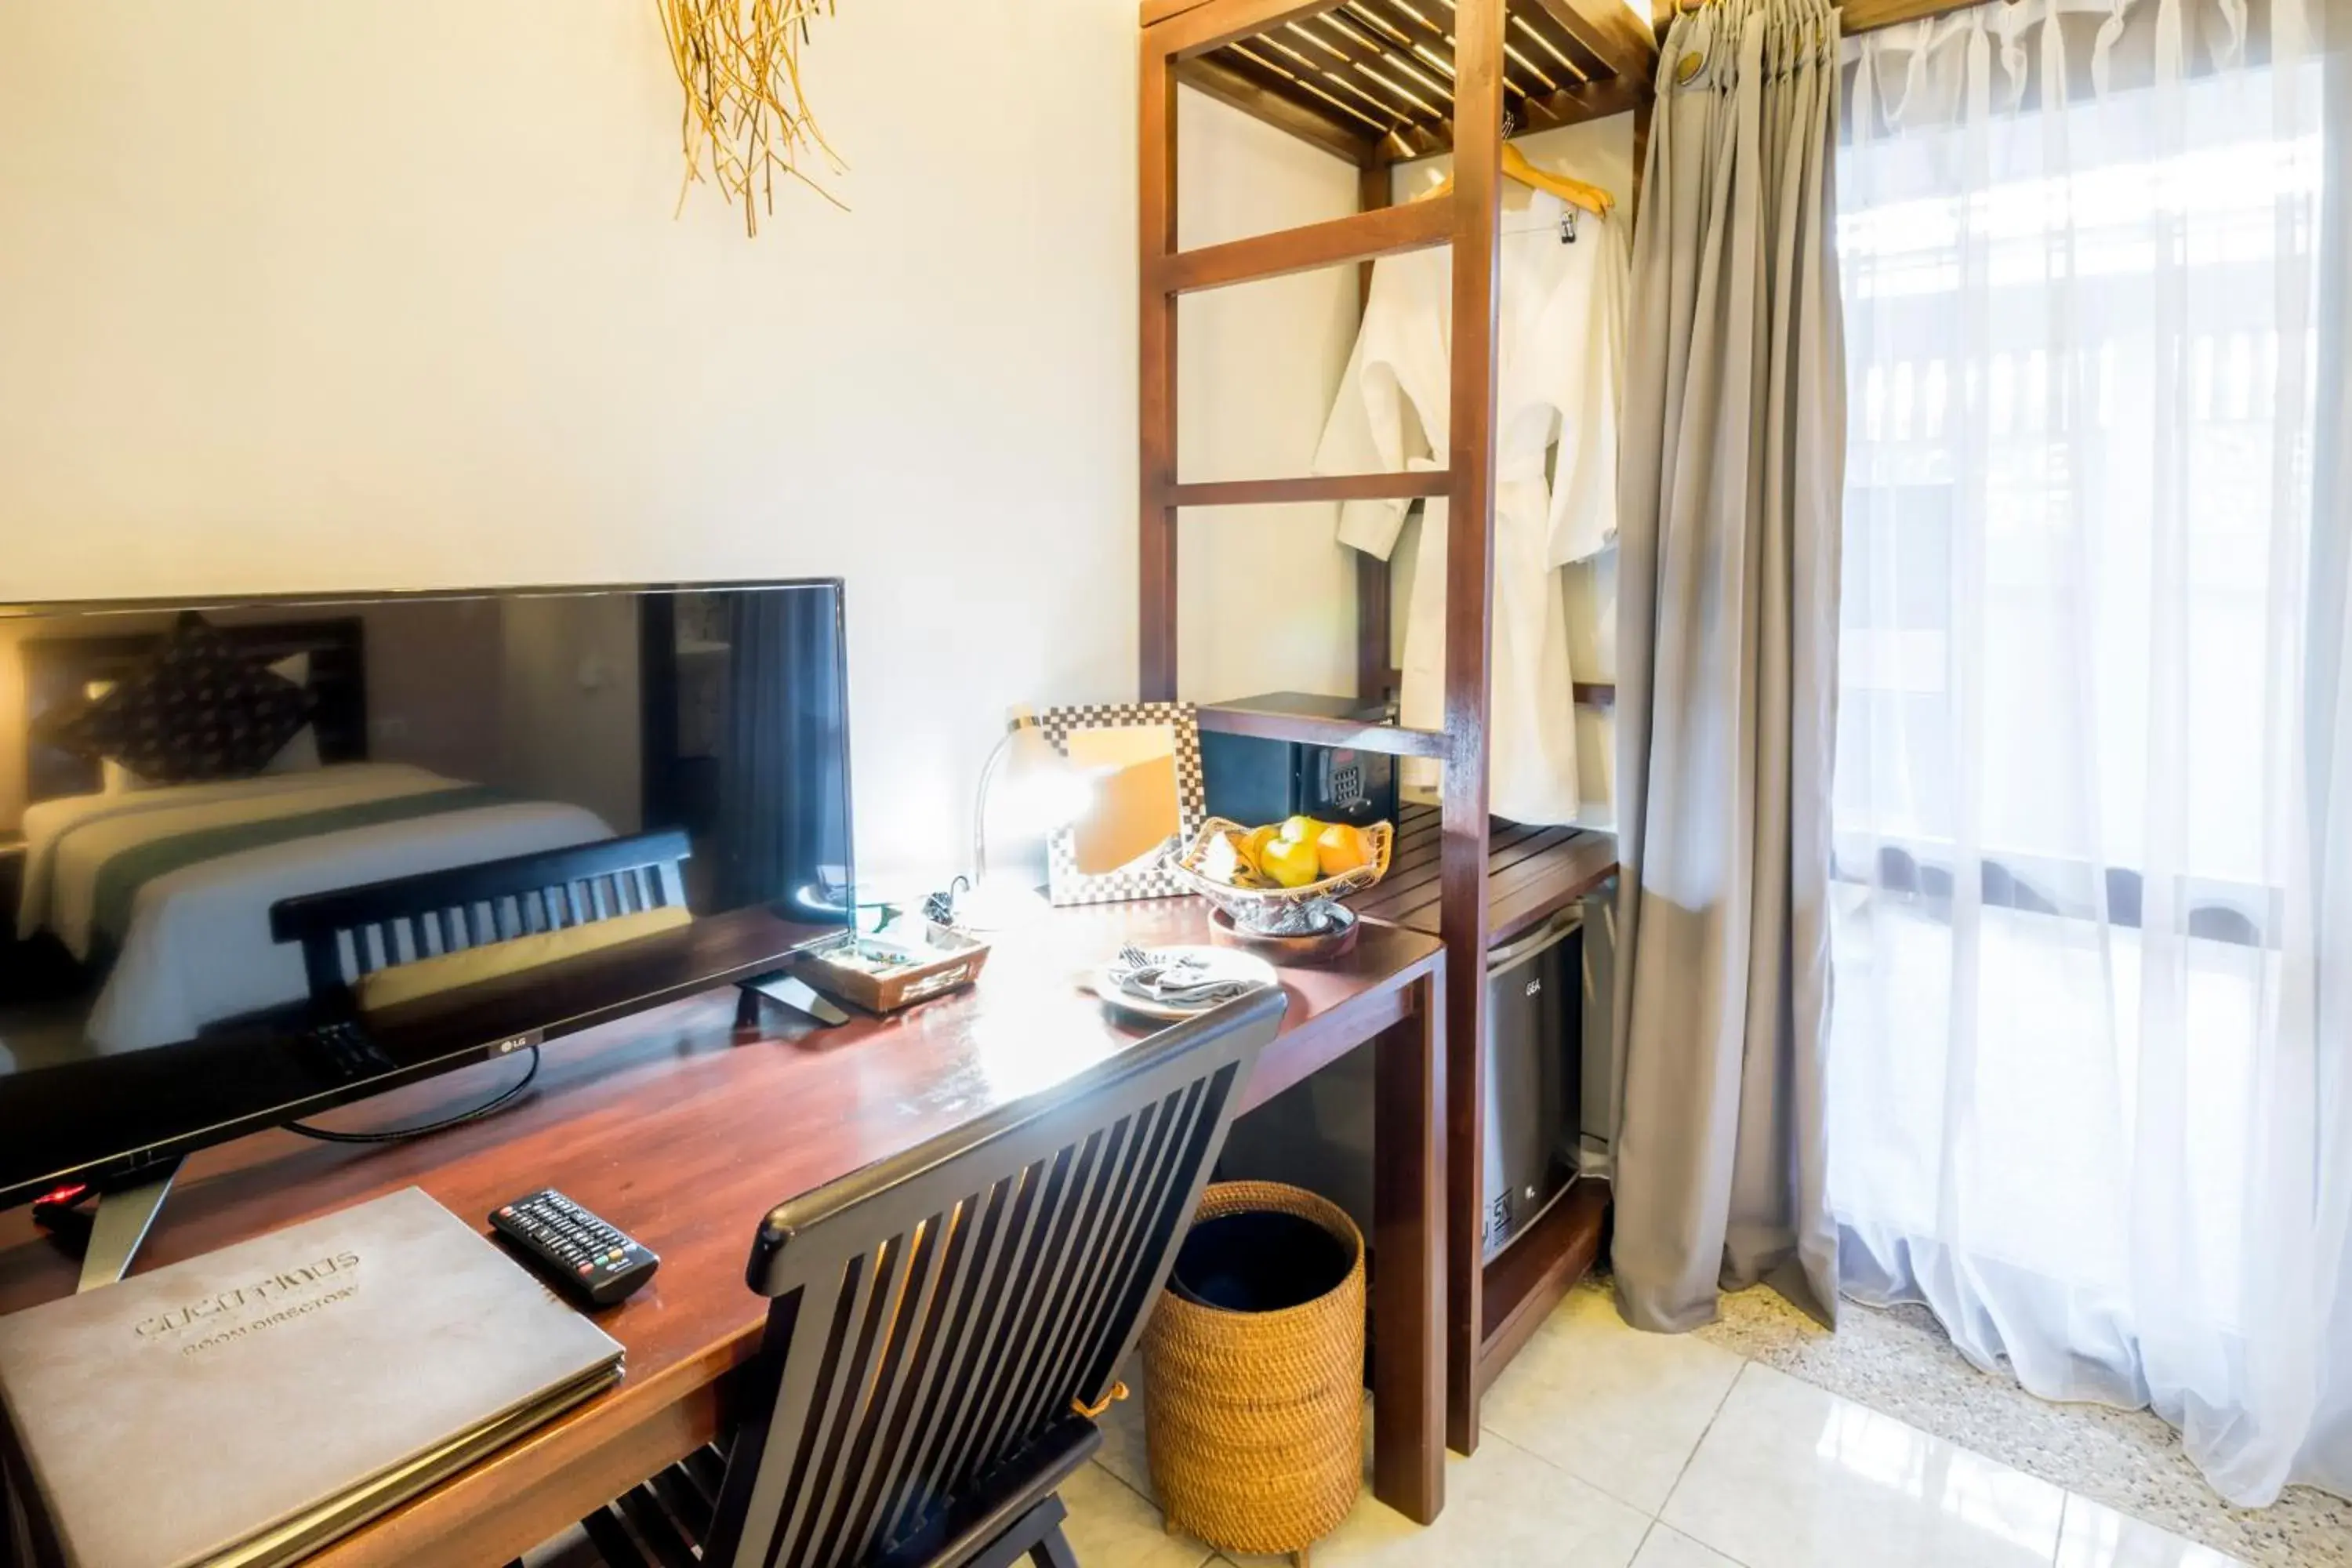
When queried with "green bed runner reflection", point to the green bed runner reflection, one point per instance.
{"points": [[121, 876]]}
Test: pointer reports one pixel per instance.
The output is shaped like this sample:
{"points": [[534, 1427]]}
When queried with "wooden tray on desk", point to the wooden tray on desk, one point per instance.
{"points": [[950, 962]]}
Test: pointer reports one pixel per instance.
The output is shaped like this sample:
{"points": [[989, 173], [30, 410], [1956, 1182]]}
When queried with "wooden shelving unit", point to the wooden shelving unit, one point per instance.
{"points": [[1374, 82]]}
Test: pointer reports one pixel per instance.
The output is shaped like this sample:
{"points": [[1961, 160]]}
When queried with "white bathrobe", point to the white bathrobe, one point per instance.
{"points": [[1560, 384]]}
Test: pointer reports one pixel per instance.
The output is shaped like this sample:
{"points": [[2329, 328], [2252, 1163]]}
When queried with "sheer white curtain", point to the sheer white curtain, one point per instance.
{"points": [[2088, 1098]]}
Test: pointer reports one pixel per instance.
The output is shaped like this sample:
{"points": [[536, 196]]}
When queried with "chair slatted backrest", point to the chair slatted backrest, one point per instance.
{"points": [[935, 1316], [355, 931]]}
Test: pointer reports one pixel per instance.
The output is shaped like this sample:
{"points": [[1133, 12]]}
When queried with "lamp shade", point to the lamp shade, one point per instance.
{"points": [[1034, 790]]}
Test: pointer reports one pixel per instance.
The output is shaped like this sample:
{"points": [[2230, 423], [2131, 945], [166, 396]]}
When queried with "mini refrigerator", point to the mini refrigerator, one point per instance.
{"points": [[1318, 1134], [1535, 1003]]}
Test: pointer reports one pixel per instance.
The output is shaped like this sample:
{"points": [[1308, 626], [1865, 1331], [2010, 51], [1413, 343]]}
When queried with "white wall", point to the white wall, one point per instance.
{"points": [[387, 293], [1267, 592]]}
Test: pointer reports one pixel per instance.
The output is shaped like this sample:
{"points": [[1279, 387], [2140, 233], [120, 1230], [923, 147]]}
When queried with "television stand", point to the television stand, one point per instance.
{"points": [[121, 1221], [111, 1231], [785, 991]]}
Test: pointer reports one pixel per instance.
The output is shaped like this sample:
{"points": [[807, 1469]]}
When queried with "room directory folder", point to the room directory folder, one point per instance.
{"points": [[244, 1407]]}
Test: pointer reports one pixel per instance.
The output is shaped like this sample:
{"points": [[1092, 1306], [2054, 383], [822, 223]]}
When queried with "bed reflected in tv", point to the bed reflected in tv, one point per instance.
{"points": [[260, 858]]}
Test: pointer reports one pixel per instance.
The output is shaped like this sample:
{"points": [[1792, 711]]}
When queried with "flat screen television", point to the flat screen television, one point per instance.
{"points": [[618, 795]]}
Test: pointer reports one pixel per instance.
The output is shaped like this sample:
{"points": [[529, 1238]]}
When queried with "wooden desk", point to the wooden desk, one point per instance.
{"points": [[684, 1134]]}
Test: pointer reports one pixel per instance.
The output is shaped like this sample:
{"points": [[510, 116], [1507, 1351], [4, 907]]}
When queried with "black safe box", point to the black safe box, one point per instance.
{"points": [[1252, 780]]}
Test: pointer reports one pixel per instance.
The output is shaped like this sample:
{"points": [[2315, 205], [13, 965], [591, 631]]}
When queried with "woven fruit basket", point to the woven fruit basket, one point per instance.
{"points": [[1254, 1421], [1277, 911]]}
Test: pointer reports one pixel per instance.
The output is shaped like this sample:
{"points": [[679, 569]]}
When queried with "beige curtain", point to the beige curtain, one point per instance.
{"points": [[1732, 468]]}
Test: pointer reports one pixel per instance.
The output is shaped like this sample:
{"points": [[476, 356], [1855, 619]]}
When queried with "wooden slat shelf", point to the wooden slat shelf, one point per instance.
{"points": [[1530, 1276], [1373, 81], [1231, 89], [1614, 33], [1532, 873], [1276, 725]]}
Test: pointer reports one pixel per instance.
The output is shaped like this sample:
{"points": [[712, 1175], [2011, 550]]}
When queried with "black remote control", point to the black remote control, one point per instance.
{"points": [[588, 1260], [343, 1051]]}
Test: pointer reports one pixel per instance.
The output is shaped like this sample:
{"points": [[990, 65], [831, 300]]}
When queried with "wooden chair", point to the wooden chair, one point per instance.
{"points": [[355, 931], [946, 1324]]}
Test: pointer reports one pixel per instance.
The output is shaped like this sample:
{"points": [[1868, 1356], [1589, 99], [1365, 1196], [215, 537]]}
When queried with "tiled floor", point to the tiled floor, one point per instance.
{"points": [[1607, 1448], [1899, 1363]]}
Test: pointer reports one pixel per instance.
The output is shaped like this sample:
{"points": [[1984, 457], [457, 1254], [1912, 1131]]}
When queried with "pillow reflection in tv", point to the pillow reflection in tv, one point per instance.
{"points": [[197, 710]]}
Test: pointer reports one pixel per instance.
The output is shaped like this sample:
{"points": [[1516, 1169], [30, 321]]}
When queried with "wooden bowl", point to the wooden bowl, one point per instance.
{"points": [[1322, 947]]}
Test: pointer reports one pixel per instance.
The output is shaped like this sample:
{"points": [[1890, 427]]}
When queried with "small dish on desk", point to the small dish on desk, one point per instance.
{"points": [[1170, 983], [884, 974], [1331, 936]]}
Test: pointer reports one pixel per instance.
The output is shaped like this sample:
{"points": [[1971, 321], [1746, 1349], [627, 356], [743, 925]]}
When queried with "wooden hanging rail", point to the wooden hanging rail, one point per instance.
{"points": [[1854, 15]]}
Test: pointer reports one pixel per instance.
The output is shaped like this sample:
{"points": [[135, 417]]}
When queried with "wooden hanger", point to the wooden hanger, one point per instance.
{"points": [[1576, 193]]}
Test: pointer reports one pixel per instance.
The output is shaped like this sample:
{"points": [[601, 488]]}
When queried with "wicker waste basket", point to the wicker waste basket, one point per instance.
{"points": [[1255, 1417]]}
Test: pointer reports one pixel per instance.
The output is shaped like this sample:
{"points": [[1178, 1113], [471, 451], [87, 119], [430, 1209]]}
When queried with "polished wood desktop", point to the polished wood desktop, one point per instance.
{"points": [[683, 1131]]}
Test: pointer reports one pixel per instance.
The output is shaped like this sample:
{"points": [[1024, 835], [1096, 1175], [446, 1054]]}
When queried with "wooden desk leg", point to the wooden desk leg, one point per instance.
{"points": [[1465, 1278], [16, 1531], [1408, 1365]]}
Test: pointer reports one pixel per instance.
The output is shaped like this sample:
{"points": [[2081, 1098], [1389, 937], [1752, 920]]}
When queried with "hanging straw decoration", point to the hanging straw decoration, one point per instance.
{"points": [[746, 117]]}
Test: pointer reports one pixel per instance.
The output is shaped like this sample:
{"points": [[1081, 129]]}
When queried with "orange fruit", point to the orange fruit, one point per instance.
{"points": [[1340, 849]]}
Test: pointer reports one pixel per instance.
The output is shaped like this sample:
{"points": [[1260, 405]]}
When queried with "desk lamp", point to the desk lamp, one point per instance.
{"points": [[1037, 792]]}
